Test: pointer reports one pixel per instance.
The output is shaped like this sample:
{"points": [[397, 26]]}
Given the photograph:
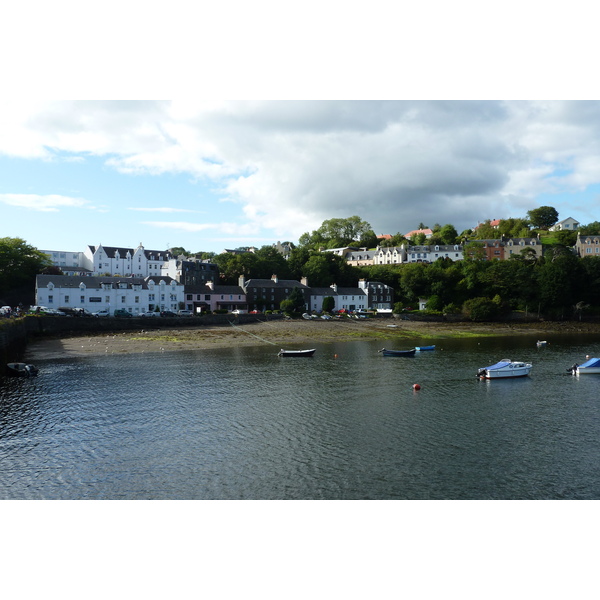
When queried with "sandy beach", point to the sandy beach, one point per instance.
{"points": [[288, 333]]}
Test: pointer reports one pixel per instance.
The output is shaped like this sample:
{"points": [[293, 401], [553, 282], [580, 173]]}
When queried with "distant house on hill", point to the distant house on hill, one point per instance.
{"points": [[494, 223], [428, 233], [568, 224]]}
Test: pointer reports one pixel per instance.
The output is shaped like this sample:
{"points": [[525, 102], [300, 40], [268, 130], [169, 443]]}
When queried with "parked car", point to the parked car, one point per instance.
{"points": [[255, 312], [121, 312], [185, 313], [239, 311], [101, 313], [75, 311], [150, 313], [167, 313], [53, 312]]}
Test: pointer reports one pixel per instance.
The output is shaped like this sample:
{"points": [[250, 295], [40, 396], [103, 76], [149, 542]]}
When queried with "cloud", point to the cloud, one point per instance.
{"points": [[50, 203], [162, 209], [291, 165]]}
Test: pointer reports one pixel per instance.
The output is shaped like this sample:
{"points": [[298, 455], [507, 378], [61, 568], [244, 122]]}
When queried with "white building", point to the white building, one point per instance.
{"points": [[125, 262], [70, 263], [134, 294]]}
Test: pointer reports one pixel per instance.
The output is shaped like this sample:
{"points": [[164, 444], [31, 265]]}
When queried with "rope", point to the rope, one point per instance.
{"points": [[256, 336]]}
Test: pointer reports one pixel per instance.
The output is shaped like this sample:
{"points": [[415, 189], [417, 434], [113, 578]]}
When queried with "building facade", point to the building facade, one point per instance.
{"points": [[134, 294]]}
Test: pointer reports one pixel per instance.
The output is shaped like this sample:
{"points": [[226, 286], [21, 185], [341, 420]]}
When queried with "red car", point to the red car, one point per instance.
{"points": [[254, 312]]}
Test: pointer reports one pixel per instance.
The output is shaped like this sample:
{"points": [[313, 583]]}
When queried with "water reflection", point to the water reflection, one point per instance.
{"points": [[242, 423]]}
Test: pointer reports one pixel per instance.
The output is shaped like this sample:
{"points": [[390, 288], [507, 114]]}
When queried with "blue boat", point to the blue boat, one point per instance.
{"points": [[423, 348], [398, 352]]}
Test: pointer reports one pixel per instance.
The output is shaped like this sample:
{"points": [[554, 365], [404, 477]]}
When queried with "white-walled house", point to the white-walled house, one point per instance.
{"points": [[125, 262], [368, 295], [344, 298], [134, 294], [568, 224], [70, 263]]}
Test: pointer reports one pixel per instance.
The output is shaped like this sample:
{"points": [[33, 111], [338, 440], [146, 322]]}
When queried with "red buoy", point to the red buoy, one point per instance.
{"points": [[416, 386]]}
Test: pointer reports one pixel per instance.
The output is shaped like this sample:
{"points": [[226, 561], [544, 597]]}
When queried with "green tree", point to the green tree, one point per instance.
{"points": [[336, 233], [480, 309], [543, 217], [448, 234], [19, 264], [328, 303], [590, 229], [296, 300]]}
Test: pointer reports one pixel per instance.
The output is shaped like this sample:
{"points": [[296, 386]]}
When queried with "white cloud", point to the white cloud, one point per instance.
{"points": [[291, 165], [50, 203], [161, 209]]}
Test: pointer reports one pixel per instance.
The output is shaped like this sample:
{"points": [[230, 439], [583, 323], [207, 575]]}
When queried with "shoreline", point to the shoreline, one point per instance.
{"points": [[284, 333]]}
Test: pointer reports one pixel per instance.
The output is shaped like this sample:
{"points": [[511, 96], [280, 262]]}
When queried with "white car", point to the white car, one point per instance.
{"points": [[101, 313], [185, 313], [149, 314]]}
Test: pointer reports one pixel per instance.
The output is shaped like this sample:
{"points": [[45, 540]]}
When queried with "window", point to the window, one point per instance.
{"points": [[137, 299], [66, 299], [50, 299], [122, 299], [82, 299]]}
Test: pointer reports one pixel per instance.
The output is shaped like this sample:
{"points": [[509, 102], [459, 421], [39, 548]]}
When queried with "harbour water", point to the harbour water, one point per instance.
{"points": [[241, 423]]}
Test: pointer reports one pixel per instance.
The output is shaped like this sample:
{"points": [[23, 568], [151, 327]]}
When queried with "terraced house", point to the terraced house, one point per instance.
{"points": [[136, 295]]}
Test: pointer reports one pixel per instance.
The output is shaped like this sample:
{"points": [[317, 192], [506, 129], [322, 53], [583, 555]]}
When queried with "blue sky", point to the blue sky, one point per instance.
{"points": [[214, 175]]}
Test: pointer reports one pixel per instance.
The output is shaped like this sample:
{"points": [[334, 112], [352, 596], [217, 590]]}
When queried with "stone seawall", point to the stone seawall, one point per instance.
{"points": [[15, 333]]}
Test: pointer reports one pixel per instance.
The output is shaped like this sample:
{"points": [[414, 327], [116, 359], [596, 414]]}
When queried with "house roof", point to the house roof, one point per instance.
{"points": [[111, 252], [427, 232], [270, 283]]}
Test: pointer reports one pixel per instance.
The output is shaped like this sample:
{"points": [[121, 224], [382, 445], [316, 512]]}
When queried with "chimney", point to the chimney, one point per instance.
{"points": [[334, 286], [274, 278], [304, 281], [211, 285], [241, 281]]}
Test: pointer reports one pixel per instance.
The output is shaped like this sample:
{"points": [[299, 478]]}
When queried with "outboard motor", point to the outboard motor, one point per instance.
{"points": [[481, 373], [573, 369]]}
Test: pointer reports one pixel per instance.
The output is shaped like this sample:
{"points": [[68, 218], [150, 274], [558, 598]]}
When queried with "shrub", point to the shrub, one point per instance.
{"points": [[480, 309]]}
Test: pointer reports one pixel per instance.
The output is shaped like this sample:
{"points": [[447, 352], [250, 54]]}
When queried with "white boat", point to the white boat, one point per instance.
{"points": [[591, 366], [504, 369], [283, 352], [541, 343]]}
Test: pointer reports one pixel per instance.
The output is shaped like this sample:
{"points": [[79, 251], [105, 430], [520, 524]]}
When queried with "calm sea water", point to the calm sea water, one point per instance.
{"points": [[241, 423]]}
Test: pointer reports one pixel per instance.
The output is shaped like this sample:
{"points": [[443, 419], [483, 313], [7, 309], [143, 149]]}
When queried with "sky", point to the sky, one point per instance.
{"points": [[211, 175]]}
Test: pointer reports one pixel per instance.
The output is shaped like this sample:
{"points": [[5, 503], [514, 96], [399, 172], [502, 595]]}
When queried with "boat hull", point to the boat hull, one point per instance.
{"points": [[588, 371], [398, 352], [505, 369], [296, 353], [21, 370]]}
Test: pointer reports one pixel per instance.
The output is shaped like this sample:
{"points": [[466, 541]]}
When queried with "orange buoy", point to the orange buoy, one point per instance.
{"points": [[416, 386]]}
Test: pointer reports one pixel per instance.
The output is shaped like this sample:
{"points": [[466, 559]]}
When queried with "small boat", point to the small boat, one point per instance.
{"points": [[398, 352], [541, 343], [283, 352], [424, 348], [504, 369], [591, 366], [18, 369]]}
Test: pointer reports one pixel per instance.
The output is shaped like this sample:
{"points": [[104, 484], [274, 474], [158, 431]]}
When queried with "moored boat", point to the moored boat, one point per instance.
{"points": [[398, 352], [283, 352], [424, 348], [541, 343], [505, 369], [17, 369], [591, 366]]}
